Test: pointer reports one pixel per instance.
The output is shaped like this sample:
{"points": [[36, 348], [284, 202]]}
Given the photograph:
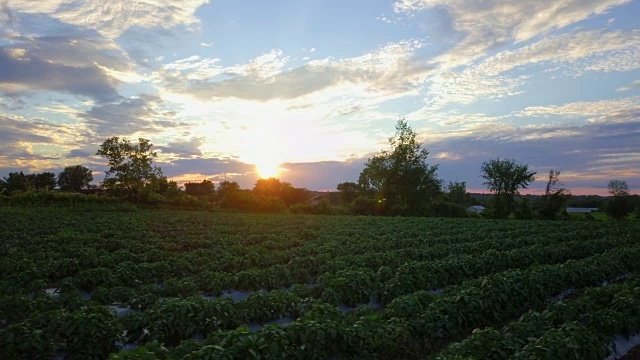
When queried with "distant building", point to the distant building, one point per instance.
{"points": [[476, 209], [317, 199], [581, 210]]}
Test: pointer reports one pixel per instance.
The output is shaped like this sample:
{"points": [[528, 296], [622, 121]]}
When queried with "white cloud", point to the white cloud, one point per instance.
{"points": [[603, 111], [492, 23], [633, 85], [595, 47], [389, 70], [578, 52], [115, 17]]}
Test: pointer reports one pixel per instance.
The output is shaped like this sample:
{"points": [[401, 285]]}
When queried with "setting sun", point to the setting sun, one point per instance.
{"points": [[267, 170]]}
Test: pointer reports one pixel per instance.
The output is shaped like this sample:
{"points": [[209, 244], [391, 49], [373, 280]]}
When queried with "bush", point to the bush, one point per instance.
{"points": [[447, 209], [362, 205], [246, 201], [48, 198], [323, 207]]}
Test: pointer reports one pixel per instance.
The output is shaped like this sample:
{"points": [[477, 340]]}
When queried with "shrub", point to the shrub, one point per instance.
{"points": [[447, 209]]}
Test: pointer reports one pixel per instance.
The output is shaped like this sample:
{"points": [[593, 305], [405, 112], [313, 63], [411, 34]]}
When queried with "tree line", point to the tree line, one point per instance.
{"points": [[394, 182]]}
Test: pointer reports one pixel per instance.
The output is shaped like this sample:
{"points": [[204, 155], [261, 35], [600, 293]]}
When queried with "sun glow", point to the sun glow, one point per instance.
{"points": [[266, 150], [268, 170]]}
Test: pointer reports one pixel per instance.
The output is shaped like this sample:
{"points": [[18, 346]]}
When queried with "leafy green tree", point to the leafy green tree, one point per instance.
{"points": [[16, 181], [349, 191], [555, 198], [42, 181], [227, 187], [130, 166], [618, 207], [163, 186], [505, 178], [457, 193], [74, 178], [273, 187], [524, 210], [200, 189], [400, 177], [292, 195], [270, 187]]}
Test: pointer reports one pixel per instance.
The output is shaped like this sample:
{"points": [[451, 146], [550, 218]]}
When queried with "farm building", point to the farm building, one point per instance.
{"points": [[581, 210], [476, 209]]}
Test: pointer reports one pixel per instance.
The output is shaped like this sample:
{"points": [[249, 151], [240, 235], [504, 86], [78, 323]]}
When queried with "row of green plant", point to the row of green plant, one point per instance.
{"points": [[324, 332], [98, 253], [605, 310]]}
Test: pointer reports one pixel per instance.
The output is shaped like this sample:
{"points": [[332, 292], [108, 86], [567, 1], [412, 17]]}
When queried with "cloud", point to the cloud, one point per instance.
{"points": [[6, 15], [594, 48], [579, 52], [183, 149], [390, 69], [587, 154], [32, 143], [15, 130], [143, 113], [491, 24], [61, 64], [603, 111], [114, 19], [322, 175], [214, 169], [633, 85]]}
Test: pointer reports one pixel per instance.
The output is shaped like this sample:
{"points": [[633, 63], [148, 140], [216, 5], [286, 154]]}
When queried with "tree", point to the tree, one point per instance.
{"points": [[16, 181], [130, 166], [349, 191], [618, 207], [399, 177], [201, 189], [227, 187], [74, 178], [292, 195], [457, 193], [618, 188], [273, 187], [42, 181], [505, 178], [555, 198], [270, 187]]}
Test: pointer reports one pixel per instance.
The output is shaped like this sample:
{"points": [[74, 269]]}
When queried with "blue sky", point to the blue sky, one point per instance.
{"points": [[308, 90]]}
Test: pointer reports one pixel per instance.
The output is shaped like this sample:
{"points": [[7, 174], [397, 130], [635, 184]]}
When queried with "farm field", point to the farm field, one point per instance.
{"points": [[196, 285]]}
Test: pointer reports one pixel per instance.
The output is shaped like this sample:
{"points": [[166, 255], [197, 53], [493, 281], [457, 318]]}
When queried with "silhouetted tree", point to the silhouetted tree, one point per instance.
{"points": [[292, 195], [130, 166], [42, 181], [400, 178], [457, 193], [227, 187], [505, 178], [618, 206], [200, 189], [163, 186], [74, 178], [349, 191], [555, 198], [283, 190], [270, 187], [16, 181], [523, 212]]}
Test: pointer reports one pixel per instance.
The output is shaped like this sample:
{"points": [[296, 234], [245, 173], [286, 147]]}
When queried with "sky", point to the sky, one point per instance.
{"points": [[308, 90]]}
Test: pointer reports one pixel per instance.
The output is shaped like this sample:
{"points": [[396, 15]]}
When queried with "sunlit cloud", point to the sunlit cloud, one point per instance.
{"points": [[495, 23], [119, 16]]}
